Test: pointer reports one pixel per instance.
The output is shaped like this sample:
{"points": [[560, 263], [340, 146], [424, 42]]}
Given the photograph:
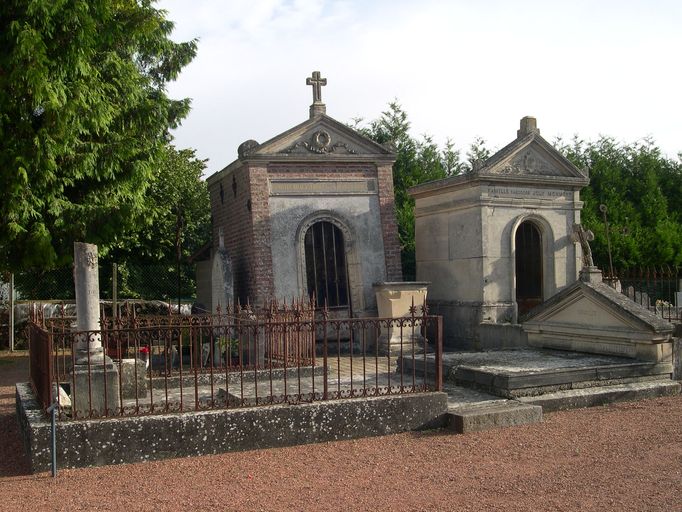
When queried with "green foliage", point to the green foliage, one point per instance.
{"points": [[83, 117], [642, 192], [176, 204], [417, 161], [147, 258]]}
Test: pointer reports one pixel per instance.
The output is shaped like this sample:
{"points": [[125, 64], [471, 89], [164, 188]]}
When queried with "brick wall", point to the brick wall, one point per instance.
{"points": [[233, 216], [389, 224], [244, 213], [262, 285]]}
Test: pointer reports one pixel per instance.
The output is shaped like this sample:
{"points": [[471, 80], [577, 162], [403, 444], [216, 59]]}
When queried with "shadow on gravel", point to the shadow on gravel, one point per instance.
{"points": [[13, 460]]}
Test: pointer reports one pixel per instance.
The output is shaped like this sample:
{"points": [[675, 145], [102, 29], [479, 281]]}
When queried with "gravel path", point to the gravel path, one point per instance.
{"points": [[620, 457]]}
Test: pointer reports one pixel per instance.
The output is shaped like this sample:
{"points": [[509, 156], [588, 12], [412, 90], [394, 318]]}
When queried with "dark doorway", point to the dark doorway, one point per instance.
{"points": [[325, 264], [528, 266]]}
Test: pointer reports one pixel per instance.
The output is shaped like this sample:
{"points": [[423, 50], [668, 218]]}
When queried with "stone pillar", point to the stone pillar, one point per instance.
{"points": [[96, 382], [394, 300], [86, 280], [591, 274]]}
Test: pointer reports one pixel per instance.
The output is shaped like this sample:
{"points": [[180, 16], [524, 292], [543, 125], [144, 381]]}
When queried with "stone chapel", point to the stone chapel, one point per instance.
{"points": [[307, 213], [499, 241]]}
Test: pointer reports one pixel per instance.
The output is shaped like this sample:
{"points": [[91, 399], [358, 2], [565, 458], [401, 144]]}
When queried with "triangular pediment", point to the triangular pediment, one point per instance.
{"points": [[595, 306], [584, 311], [319, 137], [531, 157]]}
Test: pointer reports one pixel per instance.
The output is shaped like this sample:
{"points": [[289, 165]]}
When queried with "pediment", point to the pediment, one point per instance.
{"points": [[531, 157], [595, 306], [583, 311], [318, 137]]}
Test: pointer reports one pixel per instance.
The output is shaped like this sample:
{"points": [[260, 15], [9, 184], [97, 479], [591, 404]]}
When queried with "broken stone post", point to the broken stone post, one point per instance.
{"points": [[95, 375]]}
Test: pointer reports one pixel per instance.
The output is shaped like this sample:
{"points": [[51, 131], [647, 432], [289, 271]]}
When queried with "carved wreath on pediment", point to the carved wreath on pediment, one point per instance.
{"points": [[321, 143], [527, 163]]}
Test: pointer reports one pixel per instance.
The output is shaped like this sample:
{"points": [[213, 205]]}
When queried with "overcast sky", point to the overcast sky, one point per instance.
{"points": [[460, 69]]}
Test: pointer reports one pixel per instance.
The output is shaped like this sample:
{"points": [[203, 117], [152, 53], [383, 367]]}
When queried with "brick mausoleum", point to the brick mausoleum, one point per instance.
{"points": [[310, 211]]}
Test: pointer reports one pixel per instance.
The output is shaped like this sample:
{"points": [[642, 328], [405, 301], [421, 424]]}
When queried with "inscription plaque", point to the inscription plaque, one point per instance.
{"points": [[307, 187]]}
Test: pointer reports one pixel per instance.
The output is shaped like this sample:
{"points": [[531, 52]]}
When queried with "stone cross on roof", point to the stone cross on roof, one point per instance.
{"points": [[317, 82]]}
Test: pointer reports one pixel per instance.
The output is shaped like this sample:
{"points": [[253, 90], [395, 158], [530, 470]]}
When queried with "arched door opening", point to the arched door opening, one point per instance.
{"points": [[528, 243], [325, 265]]}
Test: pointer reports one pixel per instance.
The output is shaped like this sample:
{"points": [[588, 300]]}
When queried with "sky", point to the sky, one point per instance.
{"points": [[460, 69]]}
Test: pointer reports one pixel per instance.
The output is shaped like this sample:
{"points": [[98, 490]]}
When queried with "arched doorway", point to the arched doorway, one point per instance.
{"points": [[325, 265], [528, 244]]}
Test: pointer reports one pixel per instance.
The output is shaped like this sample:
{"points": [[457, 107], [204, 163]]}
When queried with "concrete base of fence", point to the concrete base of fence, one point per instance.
{"points": [[136, 439]]}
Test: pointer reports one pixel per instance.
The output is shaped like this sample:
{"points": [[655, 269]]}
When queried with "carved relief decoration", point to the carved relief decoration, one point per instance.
{"points": [[91, 259], [321, 143], [529, 162]]}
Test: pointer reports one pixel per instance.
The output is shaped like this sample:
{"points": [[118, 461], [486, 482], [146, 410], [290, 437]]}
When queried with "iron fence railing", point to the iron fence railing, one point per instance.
{"points": [[41, 369], [239, 358], [655, 288]]}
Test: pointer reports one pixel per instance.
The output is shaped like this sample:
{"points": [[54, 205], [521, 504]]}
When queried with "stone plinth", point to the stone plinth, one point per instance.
{"points": [[133, 378], [394, 300], [95, 388]]}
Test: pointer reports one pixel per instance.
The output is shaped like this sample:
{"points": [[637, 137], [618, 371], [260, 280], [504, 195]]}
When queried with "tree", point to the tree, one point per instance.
{"points": [[417, 161], [640, 189], [83, 117], [176, 217]]}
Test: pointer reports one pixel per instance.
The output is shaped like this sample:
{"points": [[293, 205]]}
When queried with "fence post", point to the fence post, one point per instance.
{"points": [[11, 312], [114, 291], [439, 354]]}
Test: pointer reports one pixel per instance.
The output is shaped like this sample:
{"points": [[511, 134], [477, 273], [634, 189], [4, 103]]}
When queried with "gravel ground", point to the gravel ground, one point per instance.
{"points": [[620, 457]]}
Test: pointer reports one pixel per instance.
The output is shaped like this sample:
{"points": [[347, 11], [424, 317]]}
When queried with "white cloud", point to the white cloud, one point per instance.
{"points": [[461, 69]]}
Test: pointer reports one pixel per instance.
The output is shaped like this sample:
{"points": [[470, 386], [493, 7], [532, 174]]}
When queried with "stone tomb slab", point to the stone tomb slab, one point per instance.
{"points": [[528, 372]]}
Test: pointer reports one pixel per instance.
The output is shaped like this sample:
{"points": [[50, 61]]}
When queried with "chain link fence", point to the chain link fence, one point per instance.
{"points": [[149, 282]]}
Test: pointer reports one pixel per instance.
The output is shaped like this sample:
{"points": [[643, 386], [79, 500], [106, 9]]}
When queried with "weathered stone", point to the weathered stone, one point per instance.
{"points": [[155, 437], [133, 378], [677, 358], [86, 280], [478, 417], [590, 397], [265, 203], [95, 377], [95, 388], [396, 300], [590, 316], [470, 231]]}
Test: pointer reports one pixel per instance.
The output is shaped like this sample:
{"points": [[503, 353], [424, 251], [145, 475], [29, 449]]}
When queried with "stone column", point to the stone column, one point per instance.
{"points": [[95, 377], [86, 280]]}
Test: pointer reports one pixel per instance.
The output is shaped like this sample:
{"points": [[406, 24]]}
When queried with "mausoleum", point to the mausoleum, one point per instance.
{"points": [[309, 212], [498, 241]]}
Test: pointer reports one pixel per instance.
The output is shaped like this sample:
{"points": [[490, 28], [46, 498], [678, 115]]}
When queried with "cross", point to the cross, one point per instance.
{"points": [[317, 84], [580, 234]]}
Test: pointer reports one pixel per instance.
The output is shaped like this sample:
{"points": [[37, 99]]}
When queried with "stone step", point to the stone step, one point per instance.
{"points": [[530, 372], [487, 415], [528, 383], [588, 397]]}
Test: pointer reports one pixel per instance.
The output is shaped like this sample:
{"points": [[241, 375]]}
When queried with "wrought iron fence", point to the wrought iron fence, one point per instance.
{"points": [[237, 358], [655, 288]]}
